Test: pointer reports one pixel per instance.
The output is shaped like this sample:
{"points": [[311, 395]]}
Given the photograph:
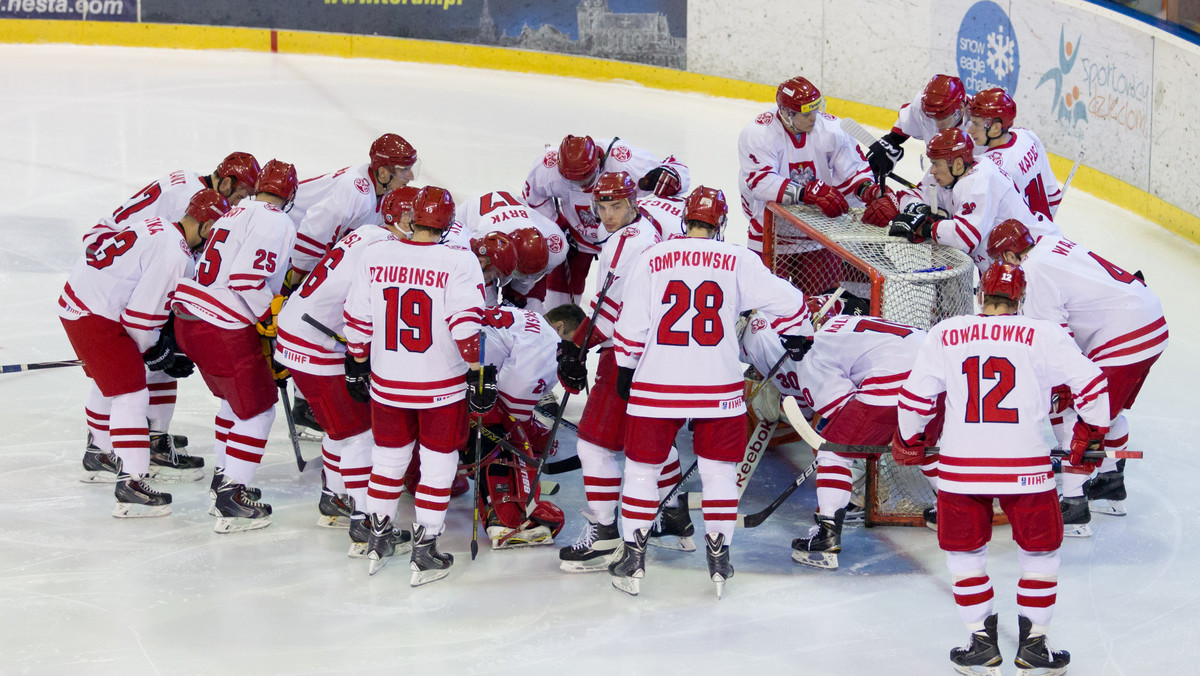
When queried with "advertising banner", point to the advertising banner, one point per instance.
{"points": [[1081, 81], [70, 10]]}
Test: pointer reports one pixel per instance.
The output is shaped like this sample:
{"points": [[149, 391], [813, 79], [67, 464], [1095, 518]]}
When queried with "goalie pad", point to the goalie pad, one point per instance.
{"points": [[504, 493]]}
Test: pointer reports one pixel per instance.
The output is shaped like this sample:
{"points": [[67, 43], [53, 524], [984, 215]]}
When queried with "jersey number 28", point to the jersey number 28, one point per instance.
{"points": [[706, 326]]}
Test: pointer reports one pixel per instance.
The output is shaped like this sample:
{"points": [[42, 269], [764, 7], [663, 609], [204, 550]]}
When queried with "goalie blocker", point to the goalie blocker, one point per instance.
{"points": [[506, 491]]}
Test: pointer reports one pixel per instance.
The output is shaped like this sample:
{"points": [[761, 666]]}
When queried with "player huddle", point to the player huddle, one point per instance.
{"points": [[420, 329]]}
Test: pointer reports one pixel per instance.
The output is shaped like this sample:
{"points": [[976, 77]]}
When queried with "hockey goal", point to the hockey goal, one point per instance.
{"points": [[914, 284]]}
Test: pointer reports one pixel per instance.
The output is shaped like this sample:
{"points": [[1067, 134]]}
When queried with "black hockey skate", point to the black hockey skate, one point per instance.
{"points": [[824, 541], [855, 514], [1076, 517], [135, 498], [597, 546], [360, 532], [217, 478], [674, 529], [171, 465], [237, 511], [427, 563], [982, 656], [335, 509], [719, 567], [306, 423], [930, 515], [1106, 492], [1034, 657], [383, 541], [99, 467], [628, 571]]}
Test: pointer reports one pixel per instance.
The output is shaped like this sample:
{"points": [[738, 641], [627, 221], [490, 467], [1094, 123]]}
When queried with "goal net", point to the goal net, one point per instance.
{"points": [[914, 284]]}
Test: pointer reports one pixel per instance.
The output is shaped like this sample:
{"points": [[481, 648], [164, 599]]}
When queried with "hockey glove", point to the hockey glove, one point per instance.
{"points": [[1061, 399], [796, 346], [268, 324], [278, 371], [181, 367], [908, 452], [914, 224], [881, 211], [793, 193], [1085, 438], [358, 379], [572, 371], [481, 397], [821, 195], [663, 181], [885, 153], [162, 354], [624, 382], [292, 281]]}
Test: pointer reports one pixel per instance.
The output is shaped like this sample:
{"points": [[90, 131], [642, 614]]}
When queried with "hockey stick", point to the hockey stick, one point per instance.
{"points": [[307, 318], [1070, 177], [17, 368], [301, 463], [565, 423], [478, 452], [866, 139]]}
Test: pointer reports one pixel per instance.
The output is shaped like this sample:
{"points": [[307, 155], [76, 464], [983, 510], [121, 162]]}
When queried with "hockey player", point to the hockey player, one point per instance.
{"points": [[689, 293], [217, 312], [968, 200], [602, 426], [166, 198], [942, 104], [797, 154], [558, 188], [1018, 151], [412, 338], [997, 370], [1117, 322], [114, 309]]}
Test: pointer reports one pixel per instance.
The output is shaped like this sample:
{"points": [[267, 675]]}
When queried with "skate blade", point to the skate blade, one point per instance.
{"points": [[358, 550], [1109, 507], [376, 564], [854, 518], [98, 477], [1039, 671], [128, 510], [826, 560], [515, 543], [629, 585], [679, 543], [719, 581], [326, 521], [306, 434], [170, 475], [1079, 530], [421, 577], [597, 565], [235, 524], [979, 670], [212, 509]]}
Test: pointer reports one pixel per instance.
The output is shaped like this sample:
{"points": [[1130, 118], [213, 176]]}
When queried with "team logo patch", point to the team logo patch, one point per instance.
{"points": [[765, 118], [551, 159], [621, 153], [631, 232], [555, 244], [1032, 480], [363, 185], [184, 247], [730, 404], [996, 158], [968, 208], [757, 324]]}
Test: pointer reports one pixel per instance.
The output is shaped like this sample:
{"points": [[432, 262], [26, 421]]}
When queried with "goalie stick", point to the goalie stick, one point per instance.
{"points": [[17, 368], [866, 139]]}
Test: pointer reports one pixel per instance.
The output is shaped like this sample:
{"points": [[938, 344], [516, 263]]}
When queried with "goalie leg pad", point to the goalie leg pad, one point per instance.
{"points": [[504, 494]]}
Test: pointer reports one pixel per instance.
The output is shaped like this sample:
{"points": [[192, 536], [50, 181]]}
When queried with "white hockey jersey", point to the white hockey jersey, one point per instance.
{"points": [[129, 277], [620, 252], [914, 123], [1115, 318], [997, 373], [552, 195], [1025, 161], [329, 206], [241, 267], [166, 198], [302, 347], [499, 211], [523, 348], [771, 156], [981, 198], [678, 325], [666, 213], [409, 305]]}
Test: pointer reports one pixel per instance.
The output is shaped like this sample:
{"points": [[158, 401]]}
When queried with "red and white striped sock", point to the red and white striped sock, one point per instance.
{"points": [[601, 480], [1117, 439], [669, 477], [720, 503], [356, 467], [639, 496], [129, 433], [972, 587], [96, 411], [834, 482], [223, 423], [331, 455], [929, 467], [245, 444], [386, 481], [1037, 591], [163, 393], [433, 493]]}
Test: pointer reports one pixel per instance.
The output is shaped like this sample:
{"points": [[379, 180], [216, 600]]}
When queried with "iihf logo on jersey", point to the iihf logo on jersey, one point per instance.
{"points": [[1032, 480], [730, 404]]}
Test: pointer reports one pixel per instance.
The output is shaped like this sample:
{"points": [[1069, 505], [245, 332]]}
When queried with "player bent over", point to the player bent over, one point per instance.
{"points": [[217, 313], [412, 348], [113, 310], [997, 370], [681, 308], [941, 104]]}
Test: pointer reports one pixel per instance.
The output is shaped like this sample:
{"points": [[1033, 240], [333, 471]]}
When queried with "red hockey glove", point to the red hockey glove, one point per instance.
{"points": [[663, 181], [1061, 399], [829, 201], [882, 210], [1085, 438], [908, 452]]}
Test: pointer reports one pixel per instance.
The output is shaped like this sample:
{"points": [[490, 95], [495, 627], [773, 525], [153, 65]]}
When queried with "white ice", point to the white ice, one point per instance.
{"points": [[82, 593]]}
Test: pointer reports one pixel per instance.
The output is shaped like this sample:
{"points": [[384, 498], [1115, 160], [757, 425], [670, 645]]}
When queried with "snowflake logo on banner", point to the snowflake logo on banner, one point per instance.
{"points": [[1001, 53], [987, 54]]}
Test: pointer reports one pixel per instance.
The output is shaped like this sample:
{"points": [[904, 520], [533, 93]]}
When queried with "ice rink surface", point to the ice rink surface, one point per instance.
{"points": [[82, 128]]}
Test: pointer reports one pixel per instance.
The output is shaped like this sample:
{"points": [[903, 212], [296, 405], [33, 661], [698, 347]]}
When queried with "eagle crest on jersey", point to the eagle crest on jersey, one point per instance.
{"points": [[630, 232]]}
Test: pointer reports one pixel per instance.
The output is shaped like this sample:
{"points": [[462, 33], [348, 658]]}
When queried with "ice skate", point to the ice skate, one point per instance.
{"points": [[99, 467], [982, 656], [673, 529], [219, 476], [427, 563], [824, 541], [855, 514], [170, 465], [1034, 657], [383, 542], [1106, 493], [360, 532], [307, 427], [335, 509], [136, 499], [628, 570], [548, 404], [597, 546], [529, 535], [930, 515], [237, 511], [1076, 517], [719, 567]]}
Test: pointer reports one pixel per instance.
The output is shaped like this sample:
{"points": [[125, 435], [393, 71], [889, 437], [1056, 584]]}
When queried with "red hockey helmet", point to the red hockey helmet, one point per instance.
{"points": [[533, 254], [706, 205], [207, 205], [1002, 279], [948, 144], [391, 150], [1010, 235], [614, 185], [242, 167], [499, 249], [433, 207], [994, 103], [798, 94], [396, 203], [279, 179], [578, 158], [942, 96]]}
